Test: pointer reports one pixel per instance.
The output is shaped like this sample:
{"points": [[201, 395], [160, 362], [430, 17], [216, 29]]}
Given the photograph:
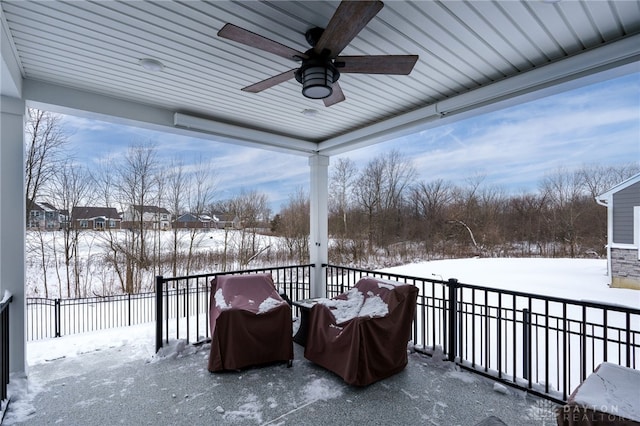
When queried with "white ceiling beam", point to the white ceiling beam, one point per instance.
{"points": [[237, 133], [65, 100]]}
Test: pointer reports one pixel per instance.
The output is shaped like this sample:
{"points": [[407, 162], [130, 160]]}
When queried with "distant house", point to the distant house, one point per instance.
{"points": [[205, 221], [623, 232], [95, 218], [226, 221], [46, 217], [193, 221], [153, 217]]}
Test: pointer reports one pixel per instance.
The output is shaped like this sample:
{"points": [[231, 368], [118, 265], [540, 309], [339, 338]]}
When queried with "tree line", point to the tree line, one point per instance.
{"points": [[380, 214]]}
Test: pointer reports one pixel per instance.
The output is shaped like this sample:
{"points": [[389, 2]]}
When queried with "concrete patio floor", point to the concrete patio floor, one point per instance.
{"points": [[109, 387]]}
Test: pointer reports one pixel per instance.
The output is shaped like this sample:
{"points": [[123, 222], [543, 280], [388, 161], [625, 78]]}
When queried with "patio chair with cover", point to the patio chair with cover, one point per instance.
{"points": [[362, 335], [250, 323]]}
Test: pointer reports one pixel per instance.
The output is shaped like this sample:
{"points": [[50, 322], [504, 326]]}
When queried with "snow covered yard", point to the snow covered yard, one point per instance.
{"points": [[574, 279]]}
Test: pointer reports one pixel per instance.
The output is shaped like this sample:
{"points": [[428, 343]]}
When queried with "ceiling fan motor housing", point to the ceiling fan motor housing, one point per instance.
{"points": [[313, 35]]}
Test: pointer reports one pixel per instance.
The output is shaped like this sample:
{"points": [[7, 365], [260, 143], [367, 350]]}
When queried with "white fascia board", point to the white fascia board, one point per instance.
{"points": [[80, 103], [380, 132], [10, 67], [237, 133], [622, 185], [613, 60]]}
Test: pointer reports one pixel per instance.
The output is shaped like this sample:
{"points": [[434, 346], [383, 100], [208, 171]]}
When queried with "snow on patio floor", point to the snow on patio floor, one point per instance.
{"points": [[116, 385]]}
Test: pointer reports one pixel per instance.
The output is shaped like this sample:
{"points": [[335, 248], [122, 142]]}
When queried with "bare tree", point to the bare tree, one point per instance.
{"points": [[340, 189], [370, 185], [294, 226], [45, 142], [251, 208], [116, 251], [527, 229], [199, 195], [161, 186], [71, 187], [566, 195], [600, 178], [382, 188], [431, 201], [174, 197], [128, 186], [137, 187]]}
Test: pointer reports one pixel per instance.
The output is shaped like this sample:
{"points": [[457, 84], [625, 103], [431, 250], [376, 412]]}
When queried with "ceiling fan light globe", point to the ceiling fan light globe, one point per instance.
{"points": [[317, 81], [317, 92]]}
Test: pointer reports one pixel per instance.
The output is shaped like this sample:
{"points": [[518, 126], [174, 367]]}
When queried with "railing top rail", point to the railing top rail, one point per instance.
{"points": [[242, 271], [93, 298], [370, 271], [585, 303]]}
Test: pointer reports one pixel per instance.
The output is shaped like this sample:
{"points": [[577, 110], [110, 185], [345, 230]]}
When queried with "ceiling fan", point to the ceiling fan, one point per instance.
{"points": [[321, 65]]}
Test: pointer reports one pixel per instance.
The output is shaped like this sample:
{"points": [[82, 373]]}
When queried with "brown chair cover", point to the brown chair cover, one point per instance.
{"points": [[364, 349], [250, 323]]}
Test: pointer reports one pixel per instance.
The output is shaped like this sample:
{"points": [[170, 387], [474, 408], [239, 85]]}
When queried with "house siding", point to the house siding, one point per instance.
{"points": [[623, 203], [625, 268]]}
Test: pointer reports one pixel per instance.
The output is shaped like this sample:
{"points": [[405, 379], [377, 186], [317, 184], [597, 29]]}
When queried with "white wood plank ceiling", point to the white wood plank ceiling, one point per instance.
{"points": [[463, 46]]}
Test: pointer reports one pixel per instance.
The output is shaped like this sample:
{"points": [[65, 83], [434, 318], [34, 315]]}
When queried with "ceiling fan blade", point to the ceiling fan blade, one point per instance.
{"points": [[270, 82], [235, 33], [336, 96], [382, 64], [347, 21]]}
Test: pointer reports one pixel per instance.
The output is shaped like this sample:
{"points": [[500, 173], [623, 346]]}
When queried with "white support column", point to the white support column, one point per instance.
{"points": [[319, 222], [12, 224]]}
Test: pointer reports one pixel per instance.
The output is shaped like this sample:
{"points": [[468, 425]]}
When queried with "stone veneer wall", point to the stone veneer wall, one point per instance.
{"points": [[625, 268]]}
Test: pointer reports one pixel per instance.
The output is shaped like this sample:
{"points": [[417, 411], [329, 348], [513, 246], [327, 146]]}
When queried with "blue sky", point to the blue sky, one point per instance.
{"points": [[513, 148]]}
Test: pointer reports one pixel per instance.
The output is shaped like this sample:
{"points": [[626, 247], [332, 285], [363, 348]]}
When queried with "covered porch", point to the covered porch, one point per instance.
{"points": [[176, 388], [87, 59]]}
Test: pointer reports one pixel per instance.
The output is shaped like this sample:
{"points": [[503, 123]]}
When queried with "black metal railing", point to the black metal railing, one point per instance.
{"points": [[4, 347], [545, 345], [182, 303], [48, 318]]}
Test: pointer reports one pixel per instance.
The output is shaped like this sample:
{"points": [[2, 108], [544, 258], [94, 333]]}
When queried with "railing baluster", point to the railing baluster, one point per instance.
{"points": [[453, 305], [4, 347], [628, 340], [526, 344], [566, 365], [546, 346], [159, 313], [583, 349], [499, 336]]}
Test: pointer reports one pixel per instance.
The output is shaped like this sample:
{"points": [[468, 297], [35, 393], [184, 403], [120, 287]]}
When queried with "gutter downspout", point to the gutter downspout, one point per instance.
{"points": [[605, 202]]}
